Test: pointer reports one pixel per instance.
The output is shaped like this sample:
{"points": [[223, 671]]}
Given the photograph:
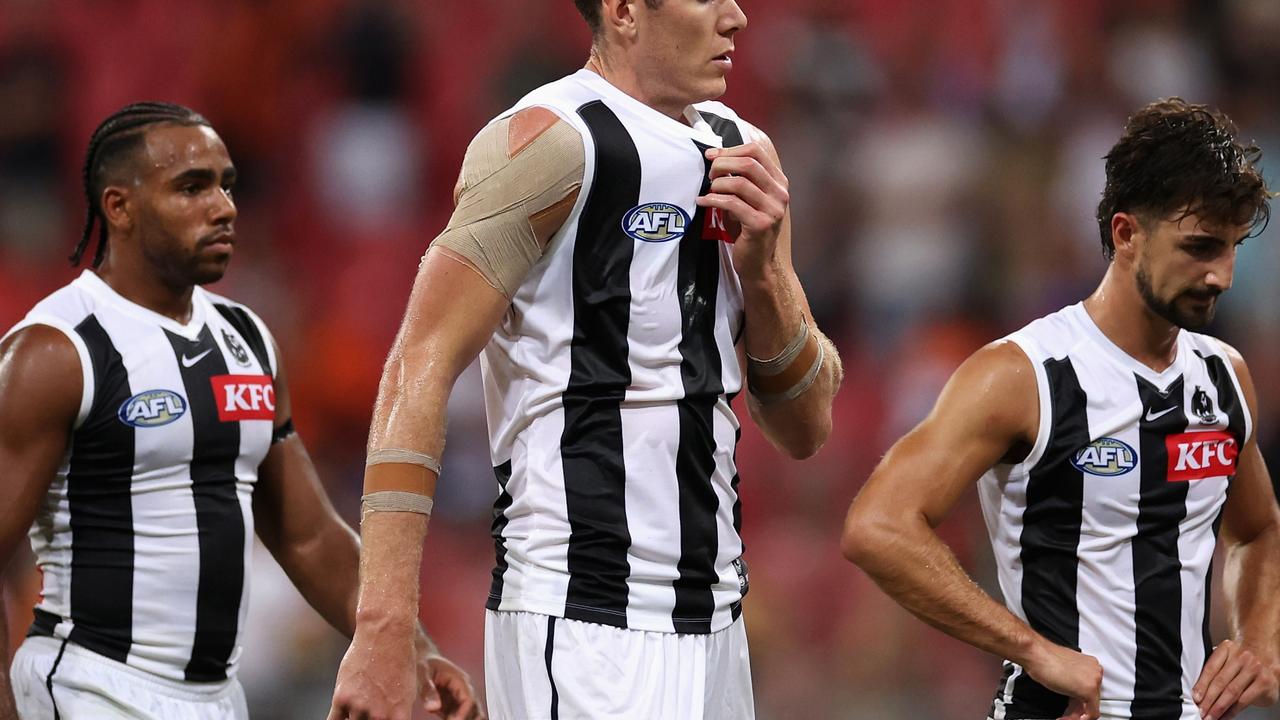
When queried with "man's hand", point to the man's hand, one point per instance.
{"points": [[749, 187], [1233, 679], [378, 679], [1067, 672], [445, 688]]}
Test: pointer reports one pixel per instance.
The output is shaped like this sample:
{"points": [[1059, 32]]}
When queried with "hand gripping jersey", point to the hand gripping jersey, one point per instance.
{"points": [[608, 384], [145, 537], [1105, 533]]}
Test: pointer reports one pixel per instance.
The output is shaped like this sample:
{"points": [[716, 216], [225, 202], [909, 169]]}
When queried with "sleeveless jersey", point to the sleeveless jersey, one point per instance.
{"points": [[608, 385], [145, 536], [1105, 533]]}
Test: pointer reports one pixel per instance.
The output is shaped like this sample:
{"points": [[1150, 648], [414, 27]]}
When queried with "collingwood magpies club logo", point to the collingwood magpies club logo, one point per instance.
{"points": [[237, 350], [1202, 406]]}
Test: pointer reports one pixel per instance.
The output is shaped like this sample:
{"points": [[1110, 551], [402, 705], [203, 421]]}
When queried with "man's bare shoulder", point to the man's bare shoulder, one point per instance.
{"points": [[40, 372], [994, 390]]}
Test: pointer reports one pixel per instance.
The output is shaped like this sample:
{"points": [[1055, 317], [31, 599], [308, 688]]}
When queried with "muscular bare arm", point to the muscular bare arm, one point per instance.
{"points": [[321, 555], [988, 407], [40, 392], [297, 523], [1244, 670], [748, 184], [454, 308]]}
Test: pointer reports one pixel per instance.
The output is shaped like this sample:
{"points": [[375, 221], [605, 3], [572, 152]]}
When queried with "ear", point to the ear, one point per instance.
{"points": [[117, 207], [1126, 228], [618, 18]]}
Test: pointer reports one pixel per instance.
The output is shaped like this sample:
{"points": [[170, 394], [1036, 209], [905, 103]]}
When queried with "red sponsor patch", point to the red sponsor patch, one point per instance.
{"points": [[244, 397], [1200, 455], [715, 226]]}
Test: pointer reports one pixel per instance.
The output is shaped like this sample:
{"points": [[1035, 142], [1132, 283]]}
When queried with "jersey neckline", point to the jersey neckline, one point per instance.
{"points": [[696, 128], [1160, 379], [98, 287]]}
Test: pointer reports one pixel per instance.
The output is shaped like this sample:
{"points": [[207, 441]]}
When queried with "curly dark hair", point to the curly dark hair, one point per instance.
{"points": [[1178, 157], [590, 10]]}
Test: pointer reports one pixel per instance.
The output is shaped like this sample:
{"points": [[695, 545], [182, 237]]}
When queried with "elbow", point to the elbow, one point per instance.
{"points": [[868, 538], [853, 543], [804, 448], [809, 440]]}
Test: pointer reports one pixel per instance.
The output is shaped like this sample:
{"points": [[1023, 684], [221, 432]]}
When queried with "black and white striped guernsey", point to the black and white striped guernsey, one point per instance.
{"points": [[608, 385], [144, 539], [1104, 535]]}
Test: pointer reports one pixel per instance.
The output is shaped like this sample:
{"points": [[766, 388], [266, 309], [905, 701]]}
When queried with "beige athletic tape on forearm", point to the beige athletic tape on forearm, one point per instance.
{"points": [[520, 179], [382, 456], [392, 501], [398, 480], [781, 373]]}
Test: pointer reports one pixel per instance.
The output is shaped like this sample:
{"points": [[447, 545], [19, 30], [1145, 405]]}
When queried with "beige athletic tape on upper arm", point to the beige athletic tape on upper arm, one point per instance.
{"points": [[519, 181]]}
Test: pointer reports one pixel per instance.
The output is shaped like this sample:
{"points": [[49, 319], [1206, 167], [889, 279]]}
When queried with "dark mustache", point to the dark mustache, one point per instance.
{"points": [[1203, 293], [225, 234]]}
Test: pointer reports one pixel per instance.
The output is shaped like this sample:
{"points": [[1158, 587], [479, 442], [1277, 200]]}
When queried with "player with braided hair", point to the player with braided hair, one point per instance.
{"points": [[145, 431]]}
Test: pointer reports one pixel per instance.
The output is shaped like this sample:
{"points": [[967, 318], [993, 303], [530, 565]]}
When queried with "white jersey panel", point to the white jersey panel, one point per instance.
{"points": [[1105, 534], [624, 332], [143, 537]]}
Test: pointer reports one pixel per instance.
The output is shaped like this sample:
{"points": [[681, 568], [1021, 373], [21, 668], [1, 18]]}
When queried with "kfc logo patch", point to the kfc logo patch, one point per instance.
{"points": [[244, 397], [1200, 455], [714, 226]]}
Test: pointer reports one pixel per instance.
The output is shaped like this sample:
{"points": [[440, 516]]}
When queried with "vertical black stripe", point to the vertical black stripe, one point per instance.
{"points": [[724, 127], [1157, 692], [48, 680], [697, 285], [1051, 536], [99, 483], [503, 473], [591, 446], [248, 329], [1007, 671], [219, 519], [736, 608], [1229, 402], [551, 643], [1207, 584]]}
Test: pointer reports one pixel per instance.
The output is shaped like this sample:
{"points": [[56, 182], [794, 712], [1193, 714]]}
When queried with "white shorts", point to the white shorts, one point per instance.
{"points": [[539, 667], [87, 686]]}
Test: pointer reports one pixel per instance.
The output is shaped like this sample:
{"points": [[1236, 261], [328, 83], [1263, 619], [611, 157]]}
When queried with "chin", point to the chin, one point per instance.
{"points": [[206, 274], [715, 89]]}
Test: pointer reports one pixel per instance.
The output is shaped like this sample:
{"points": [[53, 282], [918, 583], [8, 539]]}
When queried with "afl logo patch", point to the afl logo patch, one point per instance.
{"points": [[1106, 457], [152, 408], [655, 222]]}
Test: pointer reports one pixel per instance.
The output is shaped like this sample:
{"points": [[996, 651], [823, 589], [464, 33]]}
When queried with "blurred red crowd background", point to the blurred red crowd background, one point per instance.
{"points": [[945, 162]]}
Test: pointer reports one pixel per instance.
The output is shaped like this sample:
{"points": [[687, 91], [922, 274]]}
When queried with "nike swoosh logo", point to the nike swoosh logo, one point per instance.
{"points": [[1154, 415], [189, 361]]}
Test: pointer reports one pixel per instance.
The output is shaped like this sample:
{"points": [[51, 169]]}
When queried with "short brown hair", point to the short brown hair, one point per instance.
{"points": [[1178, 156], [590, 10]]}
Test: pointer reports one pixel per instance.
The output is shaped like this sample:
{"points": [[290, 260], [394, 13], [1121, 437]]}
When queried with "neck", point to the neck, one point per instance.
{"points": [[138, 282], [1119, 311], [622, 75]]}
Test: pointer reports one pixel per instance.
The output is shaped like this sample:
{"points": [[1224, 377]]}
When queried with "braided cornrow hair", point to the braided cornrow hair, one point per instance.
{"points": [[116, 137]]}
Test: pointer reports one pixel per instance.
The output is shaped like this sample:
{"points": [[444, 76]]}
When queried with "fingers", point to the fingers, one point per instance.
{"points": [[750, 193], [460, 701], [1212, 666], [752, 151], [1238, 682], [747, 216], [1239, 693], [429, 695], [751, 170]]}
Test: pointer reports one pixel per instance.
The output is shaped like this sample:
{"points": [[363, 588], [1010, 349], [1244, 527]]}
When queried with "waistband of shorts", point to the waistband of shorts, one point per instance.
{"points": [[202, 691], [560, 617]]}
